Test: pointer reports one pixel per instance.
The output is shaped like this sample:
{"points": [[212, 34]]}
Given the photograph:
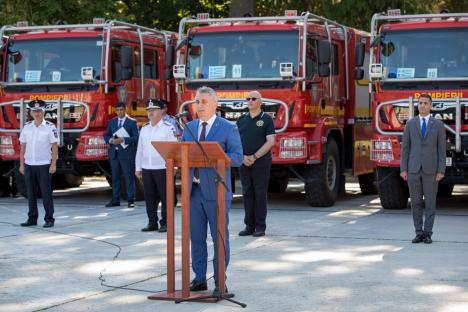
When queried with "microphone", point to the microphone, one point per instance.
{"points": [[183, 114]]}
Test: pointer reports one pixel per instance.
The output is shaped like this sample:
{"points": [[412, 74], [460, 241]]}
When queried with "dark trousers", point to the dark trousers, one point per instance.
{"points": [[125, 167], [203, 212], [423, 192], [39, 177], [254, 189], [154, 186]]}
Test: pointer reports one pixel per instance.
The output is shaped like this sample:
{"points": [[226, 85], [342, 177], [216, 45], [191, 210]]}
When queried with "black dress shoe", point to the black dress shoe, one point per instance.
{"points": [[418, 239], [29, 223], [131, 205], [198, 286], [48, 224], [112, 204], [162, 229], [246, 232], [258, 233], [427, 239], [150, 228]]}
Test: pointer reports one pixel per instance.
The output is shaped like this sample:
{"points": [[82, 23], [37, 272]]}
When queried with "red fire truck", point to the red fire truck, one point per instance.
{"points": [[410, 55], [305, 68], [81, 71]]}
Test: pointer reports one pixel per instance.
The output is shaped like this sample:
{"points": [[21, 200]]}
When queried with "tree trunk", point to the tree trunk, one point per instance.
{"points": [[239, 8]]}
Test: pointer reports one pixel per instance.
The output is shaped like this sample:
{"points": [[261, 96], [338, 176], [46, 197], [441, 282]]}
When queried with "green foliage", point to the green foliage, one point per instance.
{"points": [[166, 14]]}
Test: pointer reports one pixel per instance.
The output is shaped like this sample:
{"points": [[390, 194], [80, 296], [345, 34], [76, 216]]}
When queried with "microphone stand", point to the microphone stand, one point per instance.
{"points": [[218, 294]]}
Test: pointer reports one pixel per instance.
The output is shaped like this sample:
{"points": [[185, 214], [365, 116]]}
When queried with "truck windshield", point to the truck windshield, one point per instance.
{"points": [[52, 60], [425, 53], [240, 55]]}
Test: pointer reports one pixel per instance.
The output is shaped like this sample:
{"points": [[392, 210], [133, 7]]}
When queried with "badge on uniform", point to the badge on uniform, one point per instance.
{"points": [[55, 133], [259, 123]]}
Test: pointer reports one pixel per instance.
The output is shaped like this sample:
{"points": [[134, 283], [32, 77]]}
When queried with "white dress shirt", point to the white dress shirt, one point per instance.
{"points": [[147, 157], [120, 121], [421, 121], [38, 142], [208, 126]]}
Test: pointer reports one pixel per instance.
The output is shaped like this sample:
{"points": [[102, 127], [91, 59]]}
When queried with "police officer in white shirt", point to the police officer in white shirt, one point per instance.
{"points": [[150, 166], [38, 158]]}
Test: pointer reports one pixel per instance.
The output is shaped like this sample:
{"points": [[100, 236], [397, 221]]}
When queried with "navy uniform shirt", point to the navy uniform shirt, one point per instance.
{"points": [[253, 132]]}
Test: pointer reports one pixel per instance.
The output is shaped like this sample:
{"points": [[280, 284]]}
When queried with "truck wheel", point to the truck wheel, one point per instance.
{"points": [[20, 184], [278, 184], [393, 191], [445, 190], [4, 186], [323, 181], [368, 183], [72, 180]]}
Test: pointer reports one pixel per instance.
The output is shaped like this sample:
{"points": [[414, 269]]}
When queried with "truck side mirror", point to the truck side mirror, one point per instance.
{"points": [[181, 43], [169, 62], [324, 70], [126, 61], [324, 52], [359, 54], [358, 74]]}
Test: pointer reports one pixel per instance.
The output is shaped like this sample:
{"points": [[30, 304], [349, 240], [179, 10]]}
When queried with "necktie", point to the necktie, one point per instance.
{"points": [[423, 128], [120, 123], [196, 172]]}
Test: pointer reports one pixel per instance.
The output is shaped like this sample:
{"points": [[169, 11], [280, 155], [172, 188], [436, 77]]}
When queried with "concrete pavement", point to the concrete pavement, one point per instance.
{"points": [[350, 257]]}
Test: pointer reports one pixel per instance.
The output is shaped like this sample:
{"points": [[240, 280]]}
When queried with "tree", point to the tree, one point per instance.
{"points": [[239, 8]]}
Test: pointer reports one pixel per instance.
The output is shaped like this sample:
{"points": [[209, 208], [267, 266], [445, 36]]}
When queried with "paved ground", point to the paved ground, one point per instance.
{"points": [[351, 257]]}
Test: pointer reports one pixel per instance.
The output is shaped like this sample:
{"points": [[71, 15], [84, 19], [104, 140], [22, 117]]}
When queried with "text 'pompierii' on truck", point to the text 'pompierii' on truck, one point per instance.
{"points": [[414, 54], [81, 72], [304, 66]]}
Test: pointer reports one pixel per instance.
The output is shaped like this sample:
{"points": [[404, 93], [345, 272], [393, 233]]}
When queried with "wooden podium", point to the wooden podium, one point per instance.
{"points": [[188, 155]]}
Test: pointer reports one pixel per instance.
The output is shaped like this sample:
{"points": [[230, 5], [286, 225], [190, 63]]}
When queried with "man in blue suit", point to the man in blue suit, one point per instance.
{"points": [[203, 206], [122, 151]]}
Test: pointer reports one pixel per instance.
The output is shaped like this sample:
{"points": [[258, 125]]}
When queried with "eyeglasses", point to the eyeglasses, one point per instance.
{"points": [[251, 99]]}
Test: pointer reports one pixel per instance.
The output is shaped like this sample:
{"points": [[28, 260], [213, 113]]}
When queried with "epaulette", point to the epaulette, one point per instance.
{"points": [[145, 124], [49, 123], [167, 123], [28, 123]]}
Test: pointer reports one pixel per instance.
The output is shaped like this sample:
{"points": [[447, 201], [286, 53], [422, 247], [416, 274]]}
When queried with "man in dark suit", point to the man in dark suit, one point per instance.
{"points": [[203, 207], [423, 152], [122, 136]]}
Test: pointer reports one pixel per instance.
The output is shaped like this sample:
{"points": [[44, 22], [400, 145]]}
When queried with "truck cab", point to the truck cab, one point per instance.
{"points": [[410, 55], [81, 72]]}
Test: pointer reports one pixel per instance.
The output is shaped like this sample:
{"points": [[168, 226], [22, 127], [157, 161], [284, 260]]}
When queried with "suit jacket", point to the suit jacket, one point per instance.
{"points": [[227, 135], [130, 126], [426, 153]]}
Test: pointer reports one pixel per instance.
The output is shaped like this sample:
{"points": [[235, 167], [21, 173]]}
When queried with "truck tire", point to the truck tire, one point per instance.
{"points": [[72, 180], [368, 183], [323, 181], [445, 190], [278, 184], [393, 191], [20, 184], [4, 186]]}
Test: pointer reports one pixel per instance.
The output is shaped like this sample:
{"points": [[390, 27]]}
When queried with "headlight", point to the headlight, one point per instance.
{"points": [[98, 140], [382, 145], [292, 142], [6, 140]]}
